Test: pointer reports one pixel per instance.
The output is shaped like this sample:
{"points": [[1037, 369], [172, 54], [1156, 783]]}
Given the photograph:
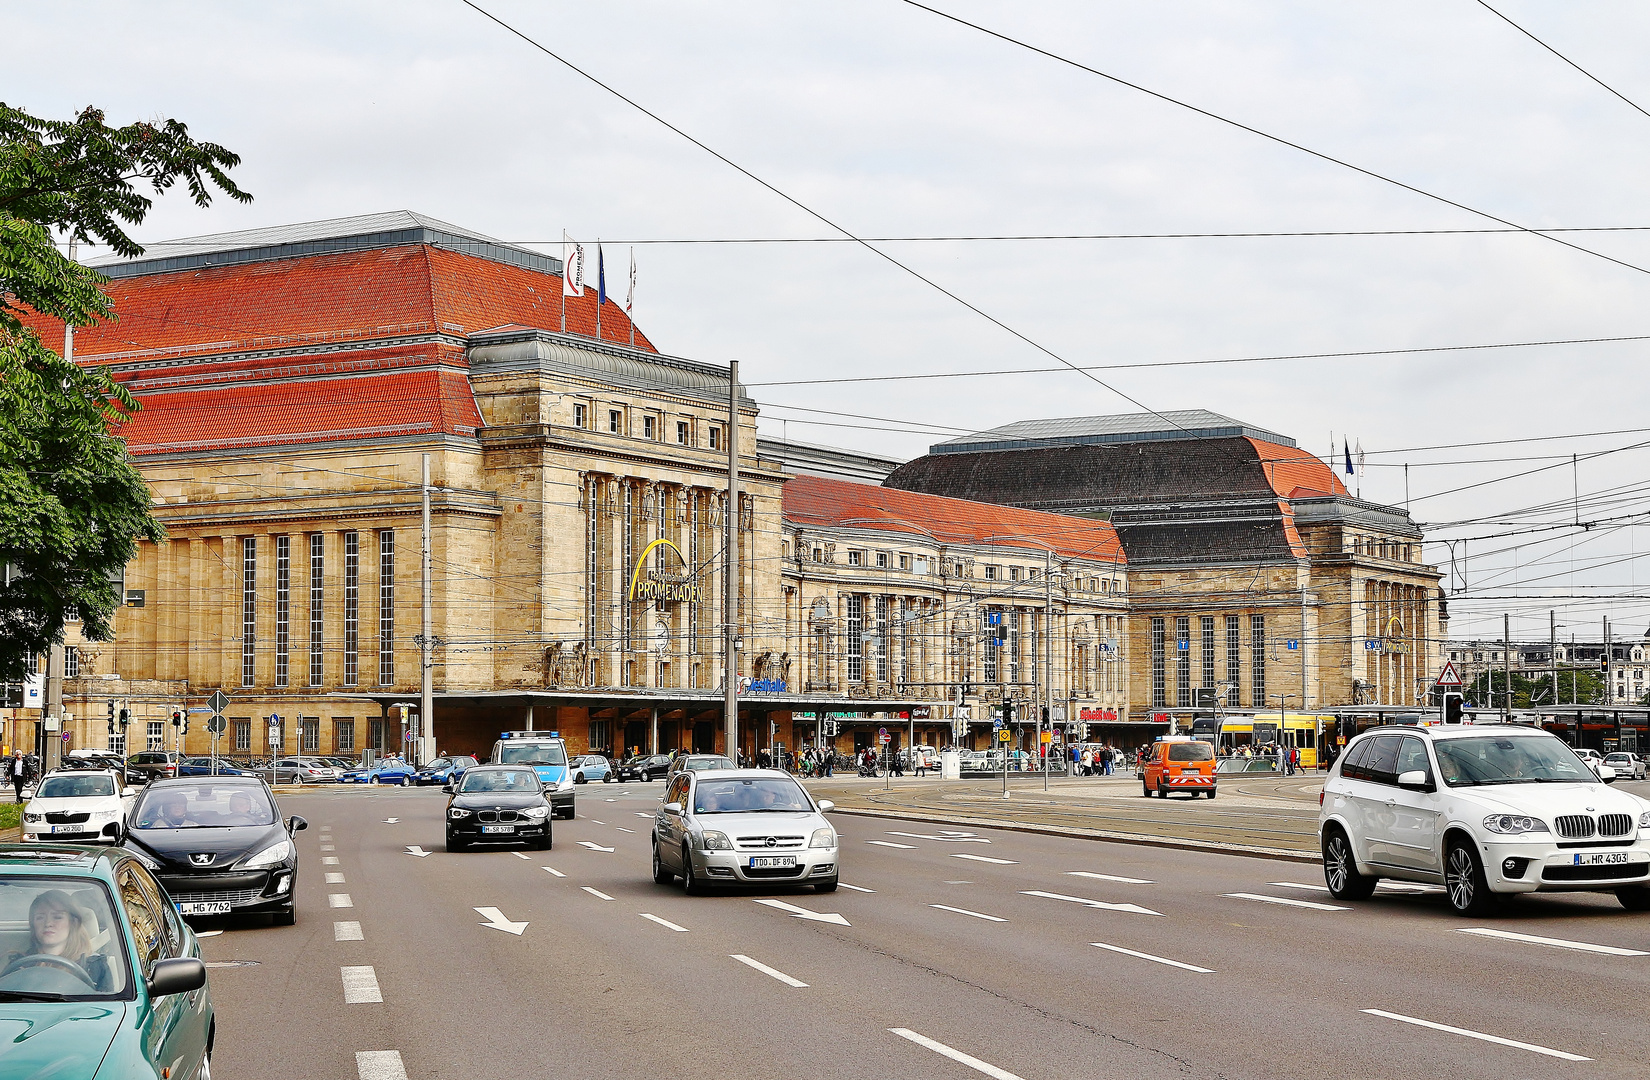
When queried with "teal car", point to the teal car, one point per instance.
{"points": [[99, 977]]}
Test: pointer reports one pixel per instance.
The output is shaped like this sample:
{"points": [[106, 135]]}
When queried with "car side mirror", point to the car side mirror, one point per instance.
{"points": [[183, 975], [826, 805], [128, 792], [296, 825], [673, 808], [1415, 780], [448, 788], [1607, 773]]}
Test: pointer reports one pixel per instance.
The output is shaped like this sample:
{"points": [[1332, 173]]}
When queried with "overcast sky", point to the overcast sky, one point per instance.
{"points": [[892, 121]]}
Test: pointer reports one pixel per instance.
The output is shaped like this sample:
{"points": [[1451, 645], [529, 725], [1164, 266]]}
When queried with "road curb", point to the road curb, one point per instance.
{"points": [[1104, 835]]}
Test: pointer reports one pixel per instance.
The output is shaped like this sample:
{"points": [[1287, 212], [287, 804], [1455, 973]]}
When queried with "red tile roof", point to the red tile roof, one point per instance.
{"points": [[826, 503], [1290, 467]]}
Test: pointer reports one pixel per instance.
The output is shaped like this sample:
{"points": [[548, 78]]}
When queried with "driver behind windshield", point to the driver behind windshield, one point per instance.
{"points": [[172, 812], [62, 929]]}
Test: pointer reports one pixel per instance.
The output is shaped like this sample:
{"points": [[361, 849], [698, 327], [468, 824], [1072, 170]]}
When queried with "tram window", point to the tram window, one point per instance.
{"points": [[1382, 765], [1352, 764]]}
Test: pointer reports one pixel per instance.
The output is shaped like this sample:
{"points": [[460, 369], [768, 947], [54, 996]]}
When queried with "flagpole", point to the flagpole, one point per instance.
{"points": [[564, 281], [630, 300], [601, 287]]}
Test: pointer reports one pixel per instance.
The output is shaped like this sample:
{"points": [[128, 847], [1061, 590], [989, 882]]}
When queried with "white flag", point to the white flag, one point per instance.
{"points": [[1360, 453], [630, 297], [572, 267]]}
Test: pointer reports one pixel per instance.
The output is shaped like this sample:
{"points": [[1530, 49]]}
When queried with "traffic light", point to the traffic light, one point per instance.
{"points": [[125, 716], [177, 717], [1045, 714], [1604, 664], [1452, 708], [1008, 711]]}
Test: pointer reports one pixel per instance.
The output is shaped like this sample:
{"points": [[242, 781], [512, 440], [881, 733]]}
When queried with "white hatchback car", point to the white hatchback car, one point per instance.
{"points": [[77, 806], [1485, 811]]}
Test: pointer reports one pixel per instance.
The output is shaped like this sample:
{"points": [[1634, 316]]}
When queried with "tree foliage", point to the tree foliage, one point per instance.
{"points": [[1588, 689], [72, 507]]}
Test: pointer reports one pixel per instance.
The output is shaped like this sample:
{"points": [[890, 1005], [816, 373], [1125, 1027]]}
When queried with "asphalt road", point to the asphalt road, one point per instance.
{"points": [[1035, 956]]}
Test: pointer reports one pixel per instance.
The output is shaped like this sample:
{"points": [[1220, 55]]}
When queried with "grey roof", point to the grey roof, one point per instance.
{"points": [[1125, 428], [828, 461], [361, 232]]}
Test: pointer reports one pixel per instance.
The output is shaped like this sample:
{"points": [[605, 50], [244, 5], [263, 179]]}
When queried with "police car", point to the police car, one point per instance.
{"points": [[546, 752]]}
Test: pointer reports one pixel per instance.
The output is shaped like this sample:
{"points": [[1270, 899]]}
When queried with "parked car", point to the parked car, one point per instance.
{"points": [[1487, 811], [498, 804], [219, 845], [382, 771], [643, 767], [208, 766], [306, 770], [154, 764], [748, 826], [77, 806], [1629, 765], [588, 767], [444, 770], [134, 1003], [699, 763]]}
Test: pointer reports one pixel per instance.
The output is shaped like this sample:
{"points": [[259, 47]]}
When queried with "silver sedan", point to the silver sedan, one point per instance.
{"points": [[1625, 764], [742, 827]]}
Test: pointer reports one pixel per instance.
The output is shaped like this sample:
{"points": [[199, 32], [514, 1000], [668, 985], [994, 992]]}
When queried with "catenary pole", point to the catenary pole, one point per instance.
{"points": [[730, 574], [1552, 651], [1506, 660], [1048, 656]]}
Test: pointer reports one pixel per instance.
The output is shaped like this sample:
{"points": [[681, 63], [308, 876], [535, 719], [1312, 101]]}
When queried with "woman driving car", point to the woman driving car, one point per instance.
{"points": [[60, 936]]}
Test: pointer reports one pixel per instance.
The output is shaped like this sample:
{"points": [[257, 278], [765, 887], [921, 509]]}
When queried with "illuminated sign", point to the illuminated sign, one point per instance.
{"points": [[1097, 714], [660, 586]]}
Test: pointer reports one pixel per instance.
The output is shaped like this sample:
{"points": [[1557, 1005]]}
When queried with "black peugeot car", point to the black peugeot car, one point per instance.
{"points": [[219, 845], [642, 767], [497, 804]]}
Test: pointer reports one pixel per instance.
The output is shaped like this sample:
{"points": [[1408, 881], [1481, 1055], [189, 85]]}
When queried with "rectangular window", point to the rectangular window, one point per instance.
{"points": [[882, 560], [578, 416], [312, 734], [1014, 573], [1257, 661], [715, 438], [243, 734], [1159, 692], [71, 662], [1182, 662], [343, 734], [317, 566], [117, 743], [352, 608], [991, 573], [990, 621], [856, 558], [386, 607], [283, 606], [613, 421], [647, 427], [856, 638], [682, 432], [905, 562], [1207, 626], [882, 640], [375, 735], [249, 609], [1012, 617], [1234, 659], [156, 730]]}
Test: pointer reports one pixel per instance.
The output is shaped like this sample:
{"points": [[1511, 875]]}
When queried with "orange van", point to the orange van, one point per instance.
{"points": [[1179, 763]]}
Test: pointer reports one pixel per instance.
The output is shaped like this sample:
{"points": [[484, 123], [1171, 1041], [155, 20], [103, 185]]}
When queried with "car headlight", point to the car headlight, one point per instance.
{"points": [[1644, 820], [456, 813], [715, 841], [34, 819], [564, 784], [823, 838], [273, 855], [536, 813], [1514, 824]]}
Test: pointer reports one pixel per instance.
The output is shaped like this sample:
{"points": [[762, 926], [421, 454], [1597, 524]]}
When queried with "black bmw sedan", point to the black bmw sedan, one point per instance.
{"points": [[497, 803], [219, 845]]}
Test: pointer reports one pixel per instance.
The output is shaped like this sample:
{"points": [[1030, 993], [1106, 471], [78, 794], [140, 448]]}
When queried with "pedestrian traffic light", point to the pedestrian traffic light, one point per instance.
{"points": [[125, 716], [1045, 714], [1452, 708], [177, 717]]}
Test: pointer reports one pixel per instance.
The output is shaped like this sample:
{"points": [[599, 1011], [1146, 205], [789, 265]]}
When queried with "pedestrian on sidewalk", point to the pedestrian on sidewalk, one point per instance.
{"points": [[19, 773]]}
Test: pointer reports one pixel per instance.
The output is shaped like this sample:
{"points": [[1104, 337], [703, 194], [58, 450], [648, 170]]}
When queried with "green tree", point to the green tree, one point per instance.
{"points": [[72, 507], [1589, 689]]}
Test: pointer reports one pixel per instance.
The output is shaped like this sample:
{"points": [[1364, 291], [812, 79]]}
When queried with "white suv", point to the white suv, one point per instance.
{"points": [[1482, 810]]}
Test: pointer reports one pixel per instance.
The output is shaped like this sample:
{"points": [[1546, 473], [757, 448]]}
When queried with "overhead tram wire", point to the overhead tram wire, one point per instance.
{"points": [[1600, 82], [1280, 140]]}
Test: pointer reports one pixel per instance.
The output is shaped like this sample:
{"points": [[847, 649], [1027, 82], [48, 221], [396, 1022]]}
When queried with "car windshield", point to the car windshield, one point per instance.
{"points": [[59, 941], [206, 807], [532, 753], [75, 787], [1191, 751], [1523, 759], [502, 780], [705, 764], [754, 795]]}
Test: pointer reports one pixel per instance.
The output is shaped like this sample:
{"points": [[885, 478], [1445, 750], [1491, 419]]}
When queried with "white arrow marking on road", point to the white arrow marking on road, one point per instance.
{"points": [[1287, 901], [803, 913], [955, 1055], [519, 855], [1557, 943], [943, 839], [1532, 1047], [666, 923], [856, 888], [1153, 959], [553, 871], [598, 822], [1109, 877], [414, 849], [890, 843], [640, 814], [391, 820], [1138, 910], [621, 828], [965, 911], [981, 858], [496, 920], [766, 970], [597, 893], [593, 846]]}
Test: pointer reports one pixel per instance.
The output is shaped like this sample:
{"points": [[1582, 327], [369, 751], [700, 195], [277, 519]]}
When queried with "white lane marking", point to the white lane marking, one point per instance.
{"points": [[1288, 901], [335, 879], [1298, 885], [856, 888], [1153, 959], [496, 921], [593, 846], [339, 899], [666, 923], [329, 860], [1531, 1047], [621, 828], [962, 838], [594, 821], [1557, 943], [391, 820], [1101, 904], [1109, 877], [328, 847], [519, 855], [965, 911], [890, 843], [766, 970], [955, 1055], [360, 986], [803, 913], [345, 931], [414, 849], [551, 870], [207, 933], [597, 893], [981, 858], [379, 1065], [612, 800], [640, 814]]}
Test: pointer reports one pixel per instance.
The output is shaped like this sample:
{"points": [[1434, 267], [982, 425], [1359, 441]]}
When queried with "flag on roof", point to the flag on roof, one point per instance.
{"points": [[572, 267], [601, 277], [1348, 449]]}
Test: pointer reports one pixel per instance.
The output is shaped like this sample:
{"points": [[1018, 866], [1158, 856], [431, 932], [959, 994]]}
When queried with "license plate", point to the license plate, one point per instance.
{"points": [[71, 828], [205, 907], [1602, 857], [772, 862], [498, 828]]}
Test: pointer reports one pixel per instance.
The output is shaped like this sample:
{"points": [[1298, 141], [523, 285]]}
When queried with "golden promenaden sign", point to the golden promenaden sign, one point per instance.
{"points": [[661, 586]]}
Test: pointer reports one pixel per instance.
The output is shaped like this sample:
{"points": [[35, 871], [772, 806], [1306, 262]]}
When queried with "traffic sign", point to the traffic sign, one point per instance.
{"points": [[1048, 736], [215, 725], [882, 731], [1449, 676], [883, 738], [1003, 736], [218, 701], [1294, 643]]}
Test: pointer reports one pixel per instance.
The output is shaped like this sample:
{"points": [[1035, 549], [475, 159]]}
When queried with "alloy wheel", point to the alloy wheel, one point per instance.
{"points": [[1335, 864], [1458, 877]]}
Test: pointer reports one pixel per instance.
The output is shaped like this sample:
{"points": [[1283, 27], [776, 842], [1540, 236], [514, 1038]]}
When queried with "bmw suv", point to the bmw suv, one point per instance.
{"points": [[1486, 811]]}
